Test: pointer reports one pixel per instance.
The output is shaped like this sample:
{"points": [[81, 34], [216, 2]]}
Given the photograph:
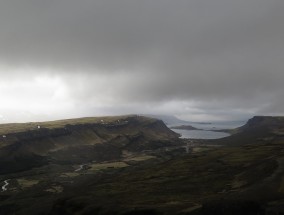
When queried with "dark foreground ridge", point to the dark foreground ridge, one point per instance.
{"points": [[140, 167]]}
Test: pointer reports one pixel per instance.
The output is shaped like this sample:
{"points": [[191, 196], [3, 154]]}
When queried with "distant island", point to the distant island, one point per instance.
{"points": [[185, 127], [191, 128], [203, 123]]}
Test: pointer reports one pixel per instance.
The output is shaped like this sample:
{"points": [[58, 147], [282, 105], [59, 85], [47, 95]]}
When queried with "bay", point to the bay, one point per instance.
{"points": [[207, 131]]}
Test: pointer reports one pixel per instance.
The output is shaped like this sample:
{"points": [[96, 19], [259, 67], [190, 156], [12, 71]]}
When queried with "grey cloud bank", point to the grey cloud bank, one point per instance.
{"points": [[200, 60]]}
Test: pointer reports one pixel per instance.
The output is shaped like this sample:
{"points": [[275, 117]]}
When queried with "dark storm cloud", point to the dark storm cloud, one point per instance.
{"points": [[210, 54]]}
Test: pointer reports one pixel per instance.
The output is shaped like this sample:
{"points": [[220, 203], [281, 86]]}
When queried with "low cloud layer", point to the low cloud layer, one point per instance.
{"points": [[199, 60]]}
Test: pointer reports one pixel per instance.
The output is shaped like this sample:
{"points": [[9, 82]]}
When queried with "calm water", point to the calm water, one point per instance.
{"points": [[205, 134]]}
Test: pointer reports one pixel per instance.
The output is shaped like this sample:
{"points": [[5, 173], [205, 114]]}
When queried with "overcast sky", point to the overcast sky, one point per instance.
{"points": [[200, 60]]}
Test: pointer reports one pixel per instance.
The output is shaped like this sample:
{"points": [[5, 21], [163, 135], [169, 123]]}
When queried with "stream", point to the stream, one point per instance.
{"points": [[80, 168], [4, 187]]}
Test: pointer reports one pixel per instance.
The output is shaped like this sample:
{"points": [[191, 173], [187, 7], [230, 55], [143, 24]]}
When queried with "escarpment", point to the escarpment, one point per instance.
{"points": [[81, 140]]}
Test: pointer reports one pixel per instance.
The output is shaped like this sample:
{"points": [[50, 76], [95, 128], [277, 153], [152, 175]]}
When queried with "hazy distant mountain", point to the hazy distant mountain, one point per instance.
{"points": [[167, 119]]}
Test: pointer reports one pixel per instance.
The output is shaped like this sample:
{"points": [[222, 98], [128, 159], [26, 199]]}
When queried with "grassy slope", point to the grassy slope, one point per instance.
{"points": [[78, 141], [22, 127]]}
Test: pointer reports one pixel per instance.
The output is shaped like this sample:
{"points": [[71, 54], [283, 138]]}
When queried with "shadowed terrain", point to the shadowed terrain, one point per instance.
{"points": [[138, 166]]}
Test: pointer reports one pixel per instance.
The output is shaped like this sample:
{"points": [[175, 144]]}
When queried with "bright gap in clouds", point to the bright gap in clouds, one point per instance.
{"points": [[32, 97], [42, 95]]}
